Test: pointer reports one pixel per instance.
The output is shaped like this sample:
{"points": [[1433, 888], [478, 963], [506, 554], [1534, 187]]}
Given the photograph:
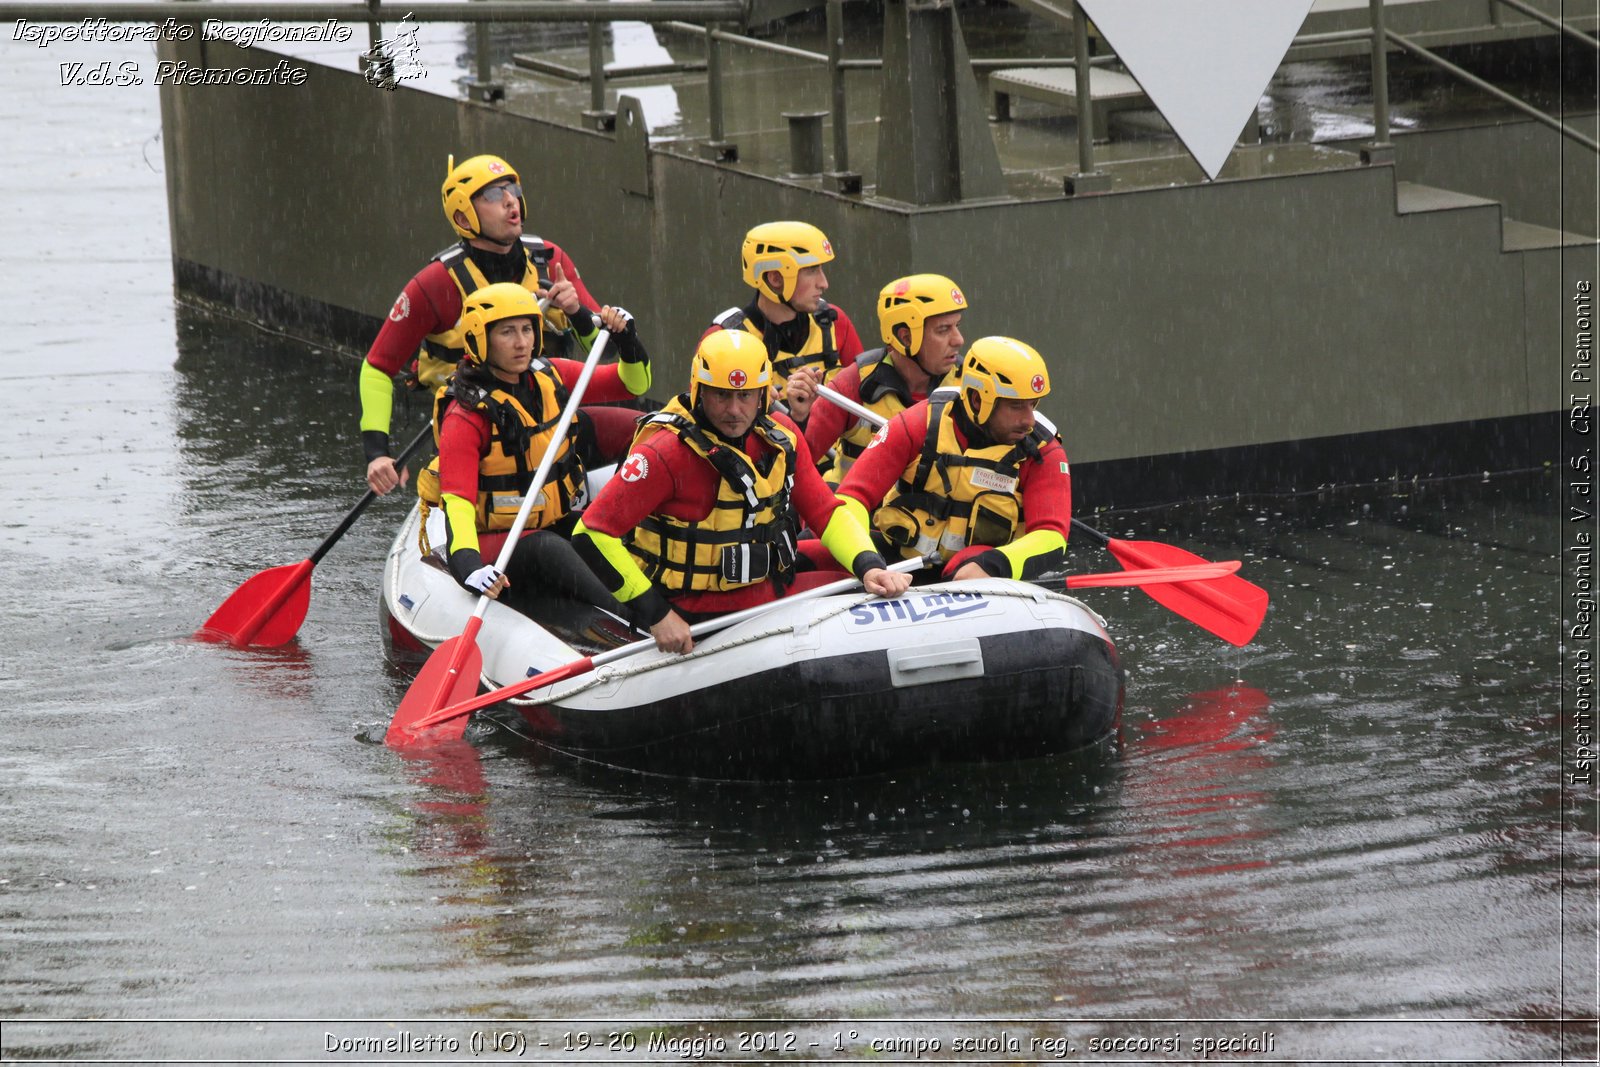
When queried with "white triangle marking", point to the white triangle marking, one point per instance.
{"points": [[1203, 63]]}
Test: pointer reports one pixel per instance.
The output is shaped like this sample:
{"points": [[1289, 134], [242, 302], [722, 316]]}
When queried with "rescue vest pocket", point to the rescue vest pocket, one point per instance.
{"points": [[429, 498], [428, 484], [743, 564], [897, 525], [994, 519]]}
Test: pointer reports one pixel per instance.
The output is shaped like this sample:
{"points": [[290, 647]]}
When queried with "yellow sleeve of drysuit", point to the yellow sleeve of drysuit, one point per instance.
{"points": [[626, 580], [585, 335], [859, 510], [461, 524], [377, 398], [1035, 553], [845, 537], [635, 377]]}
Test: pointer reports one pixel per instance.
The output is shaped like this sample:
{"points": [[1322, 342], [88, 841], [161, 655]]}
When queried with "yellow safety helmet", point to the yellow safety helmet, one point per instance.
{"points": [[465, 180], [911, 302], [489, 305], [1001, 368], [730, 359], [785, 247]]}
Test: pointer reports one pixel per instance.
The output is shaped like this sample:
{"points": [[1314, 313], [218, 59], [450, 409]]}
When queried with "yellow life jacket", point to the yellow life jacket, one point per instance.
{"points": [[517, 443], [440, 352], [949, 497], [750, 534], [884, 390], [821, 348]]}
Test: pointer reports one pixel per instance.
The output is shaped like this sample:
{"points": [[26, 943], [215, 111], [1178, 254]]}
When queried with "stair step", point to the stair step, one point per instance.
{"points": [[1526, 237], [1412, 197]]}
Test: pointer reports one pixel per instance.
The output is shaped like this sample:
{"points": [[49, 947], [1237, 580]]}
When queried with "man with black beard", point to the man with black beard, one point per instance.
{"points": [[973, 474]]}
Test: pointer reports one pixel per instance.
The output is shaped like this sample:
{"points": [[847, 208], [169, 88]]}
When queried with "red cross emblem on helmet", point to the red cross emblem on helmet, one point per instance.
{"points": [[496, 168], [737, 378], [902, 288], [956, 297], [1037, 383], [827, 248]]}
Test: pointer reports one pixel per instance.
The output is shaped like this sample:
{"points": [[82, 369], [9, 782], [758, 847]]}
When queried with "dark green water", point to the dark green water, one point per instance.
{"points": [[1349, 837]]}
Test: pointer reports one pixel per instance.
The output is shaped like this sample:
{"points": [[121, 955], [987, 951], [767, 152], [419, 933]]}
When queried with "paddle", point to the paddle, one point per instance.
{"points": [[1225, 605], [451, 672], [405, 733], [1196, 572], [1229, 607], [267, 609]]}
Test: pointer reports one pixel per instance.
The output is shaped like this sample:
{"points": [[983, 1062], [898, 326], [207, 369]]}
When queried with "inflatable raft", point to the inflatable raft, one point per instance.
{"points": [[837, 686]]}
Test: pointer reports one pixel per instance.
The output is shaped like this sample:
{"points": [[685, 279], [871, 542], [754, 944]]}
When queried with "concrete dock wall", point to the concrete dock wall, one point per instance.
{"points": [[1535, 173], [1188, 320]]}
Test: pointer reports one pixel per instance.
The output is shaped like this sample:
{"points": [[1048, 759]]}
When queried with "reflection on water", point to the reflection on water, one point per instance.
{"points": [[1202, 758]]}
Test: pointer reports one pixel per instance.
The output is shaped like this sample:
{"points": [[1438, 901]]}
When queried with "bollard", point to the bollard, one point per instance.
{"points": [[805, 142]]}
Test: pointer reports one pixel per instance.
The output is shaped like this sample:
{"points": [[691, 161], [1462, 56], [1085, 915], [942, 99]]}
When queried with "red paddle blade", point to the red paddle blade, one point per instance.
{"points": [[1229, 607], [458, 709], [449, 677], [265, 611]]}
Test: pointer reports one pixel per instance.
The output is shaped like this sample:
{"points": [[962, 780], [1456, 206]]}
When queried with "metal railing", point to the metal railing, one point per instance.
{"points": [[1554, 23], [1377, 34], [1087, 177], [835, 62], [1380, 78], [705, 16]]}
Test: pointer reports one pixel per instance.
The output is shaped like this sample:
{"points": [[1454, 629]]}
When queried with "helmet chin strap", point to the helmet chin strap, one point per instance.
{"points": [[975, 430], [779, 298], [477, 235], [917, 359], [471, 224]]}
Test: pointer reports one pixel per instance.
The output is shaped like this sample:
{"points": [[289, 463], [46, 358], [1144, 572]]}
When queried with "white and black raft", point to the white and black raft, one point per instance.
{"points": [[829, 687]]}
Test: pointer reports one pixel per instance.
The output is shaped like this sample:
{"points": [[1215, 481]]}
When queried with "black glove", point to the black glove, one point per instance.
{"points": [[626, 341], [464, 563], [583, 322]]}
